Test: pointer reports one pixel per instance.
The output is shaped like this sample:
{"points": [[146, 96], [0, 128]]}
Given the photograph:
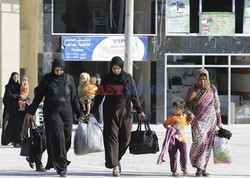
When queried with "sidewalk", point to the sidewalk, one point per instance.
{"points": [[143, 166]]}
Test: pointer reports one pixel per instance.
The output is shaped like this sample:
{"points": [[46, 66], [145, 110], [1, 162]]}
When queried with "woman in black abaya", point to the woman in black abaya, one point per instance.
{"points": [[12, 120], [59, 93]]}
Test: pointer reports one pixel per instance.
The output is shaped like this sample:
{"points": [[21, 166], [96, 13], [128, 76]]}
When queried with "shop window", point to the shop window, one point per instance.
{"points": [[240, 60], [184, 60], [219, 78], [217, 5], [105, 17], [239, 8], [216, 60], [240, 95], [194, 16], [179, 80]]}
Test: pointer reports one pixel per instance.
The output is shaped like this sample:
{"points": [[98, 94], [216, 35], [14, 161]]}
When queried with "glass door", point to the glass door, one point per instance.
{"points": [[240, 89], [180, 73], [180, 76]]}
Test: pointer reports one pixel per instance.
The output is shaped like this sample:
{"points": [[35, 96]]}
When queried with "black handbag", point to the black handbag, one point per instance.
{"points": [[143, 142], [35, 143], [25, 149], [37, 140]]}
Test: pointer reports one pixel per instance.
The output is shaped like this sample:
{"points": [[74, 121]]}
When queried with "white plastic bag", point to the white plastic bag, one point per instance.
{"points": [[88, 137], [221, 150]]}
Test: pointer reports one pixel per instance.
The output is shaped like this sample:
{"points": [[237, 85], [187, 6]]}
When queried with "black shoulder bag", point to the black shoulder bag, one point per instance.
{"points": [[143, 142]]}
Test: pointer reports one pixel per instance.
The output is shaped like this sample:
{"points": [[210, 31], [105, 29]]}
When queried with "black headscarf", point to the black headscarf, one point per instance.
{"points": [[120, 78], [15, 87], [11, 80], [59, 79], [57, 62]]}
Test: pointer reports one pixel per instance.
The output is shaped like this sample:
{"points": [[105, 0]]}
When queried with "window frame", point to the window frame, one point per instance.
{"points": [[102, 34], [229, 66]]}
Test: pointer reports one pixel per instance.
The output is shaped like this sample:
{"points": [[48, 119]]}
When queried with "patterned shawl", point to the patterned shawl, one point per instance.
{"points": [[191, 98]]}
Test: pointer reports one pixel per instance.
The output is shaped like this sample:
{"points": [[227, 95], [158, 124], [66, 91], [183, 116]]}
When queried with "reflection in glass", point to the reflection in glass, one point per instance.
{"points": [[179, 80], [240, 89], [216, 60], [217, 6], [185, 60], [219, 78], [95, 16], [240, 60]]}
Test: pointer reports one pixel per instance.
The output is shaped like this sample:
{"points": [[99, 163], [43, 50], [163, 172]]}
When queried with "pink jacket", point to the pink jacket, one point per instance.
{"points": [[167, 144]]}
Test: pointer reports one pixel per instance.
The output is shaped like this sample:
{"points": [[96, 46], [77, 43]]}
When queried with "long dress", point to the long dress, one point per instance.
{"points": [[117, 116], [207, 117], [12, 118], [60, 98]]}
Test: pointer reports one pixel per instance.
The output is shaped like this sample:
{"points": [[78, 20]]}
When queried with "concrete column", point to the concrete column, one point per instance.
{"points": [[9, 43], [47, 37]]}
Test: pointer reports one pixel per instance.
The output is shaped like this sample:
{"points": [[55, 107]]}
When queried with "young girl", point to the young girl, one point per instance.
{"points": [[178, 120], [90, 93], [24, 90], [82, 88]]}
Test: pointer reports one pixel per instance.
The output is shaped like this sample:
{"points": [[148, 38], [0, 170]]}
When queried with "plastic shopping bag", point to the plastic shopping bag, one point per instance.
{"points": [[221, 150], [88, 137]]}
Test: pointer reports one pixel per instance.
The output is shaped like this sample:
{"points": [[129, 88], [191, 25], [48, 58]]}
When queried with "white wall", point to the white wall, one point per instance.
{"points": [[9, 42]]}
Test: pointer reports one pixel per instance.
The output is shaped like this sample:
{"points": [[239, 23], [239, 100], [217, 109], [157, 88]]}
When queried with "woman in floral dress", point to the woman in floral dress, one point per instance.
{"points": [[204, 107]]}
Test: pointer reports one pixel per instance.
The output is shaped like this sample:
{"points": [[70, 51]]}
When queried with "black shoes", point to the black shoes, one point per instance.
{"points": [[17, 145], [201, 173], [31, 164], [62, 173], [40, 169]]}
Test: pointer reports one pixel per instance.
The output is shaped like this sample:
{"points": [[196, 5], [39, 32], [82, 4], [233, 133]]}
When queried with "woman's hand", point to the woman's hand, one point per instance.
{"points": [[142, 116], [28, 117], [23, 134], [220, 125]]}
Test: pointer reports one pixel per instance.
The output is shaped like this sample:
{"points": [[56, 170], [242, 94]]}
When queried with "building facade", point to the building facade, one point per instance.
{"points": [[182, 36]]}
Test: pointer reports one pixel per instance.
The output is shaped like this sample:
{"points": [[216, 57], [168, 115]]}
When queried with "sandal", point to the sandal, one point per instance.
{"points": [[175, 174]]}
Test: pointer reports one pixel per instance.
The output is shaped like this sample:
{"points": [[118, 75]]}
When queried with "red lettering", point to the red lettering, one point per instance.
{"points": [[119, 89], [100, 90], [109, 89]]}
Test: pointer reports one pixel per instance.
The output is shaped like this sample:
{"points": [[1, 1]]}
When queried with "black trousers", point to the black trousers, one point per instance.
{"points": [[37, 158], [117, 134], [58, 129]]}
